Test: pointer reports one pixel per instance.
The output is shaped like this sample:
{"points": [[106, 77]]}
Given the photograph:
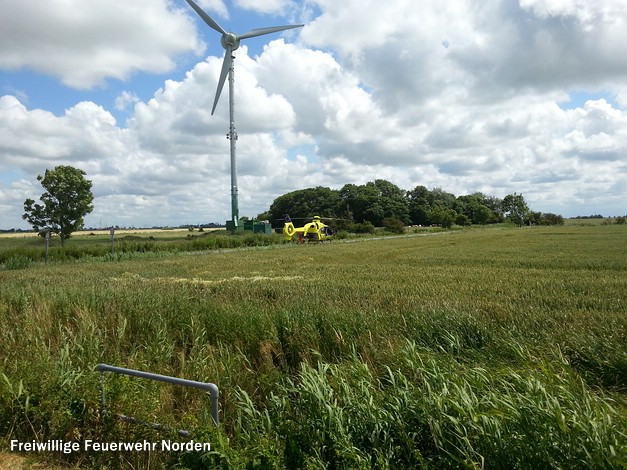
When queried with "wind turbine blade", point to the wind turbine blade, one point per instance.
{"points": [[226, 65], [206, 17], [261, 31]]}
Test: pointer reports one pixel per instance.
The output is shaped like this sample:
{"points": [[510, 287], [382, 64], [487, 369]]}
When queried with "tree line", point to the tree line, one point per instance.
{"points": [[380, 202], [68, 198]]}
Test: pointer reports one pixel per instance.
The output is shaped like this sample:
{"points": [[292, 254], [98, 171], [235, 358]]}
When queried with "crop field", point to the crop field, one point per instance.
{"points": [[479, 348]]}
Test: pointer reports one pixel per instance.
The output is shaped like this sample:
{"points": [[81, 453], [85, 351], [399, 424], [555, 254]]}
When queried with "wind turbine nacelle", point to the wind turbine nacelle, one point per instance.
{"points": [[230, 40]]}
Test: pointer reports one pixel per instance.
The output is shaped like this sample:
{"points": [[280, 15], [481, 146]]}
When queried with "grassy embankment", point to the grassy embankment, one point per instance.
{"points": [[496, 347]]}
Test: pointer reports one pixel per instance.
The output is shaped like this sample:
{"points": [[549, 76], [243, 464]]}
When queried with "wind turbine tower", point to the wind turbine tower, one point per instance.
{"points": [[230, 42]]}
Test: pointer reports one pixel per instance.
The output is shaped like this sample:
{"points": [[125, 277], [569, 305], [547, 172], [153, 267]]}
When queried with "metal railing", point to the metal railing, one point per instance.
{"points": [[209, 387]]}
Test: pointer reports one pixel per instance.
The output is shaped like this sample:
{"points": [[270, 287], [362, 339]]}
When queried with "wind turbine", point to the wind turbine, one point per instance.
{"points": [[230, 42]]}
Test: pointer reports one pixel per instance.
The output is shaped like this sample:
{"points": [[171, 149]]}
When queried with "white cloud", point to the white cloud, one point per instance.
{"points": [[267, 6], [214, 7], [126, 99], [84, 43]]}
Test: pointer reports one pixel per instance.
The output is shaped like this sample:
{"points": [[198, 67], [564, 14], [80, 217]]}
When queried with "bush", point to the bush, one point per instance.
{"points": [[366, 227], [442, 216], [394, 225], [462, 220], [551, 219]]}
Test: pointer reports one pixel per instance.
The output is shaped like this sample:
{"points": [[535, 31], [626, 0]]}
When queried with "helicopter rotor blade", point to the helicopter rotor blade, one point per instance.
{"points": [[226, 65], [206, 18], [261, 31]]}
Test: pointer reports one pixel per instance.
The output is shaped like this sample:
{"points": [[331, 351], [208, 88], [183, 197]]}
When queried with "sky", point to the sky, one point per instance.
{"points": [[498, 96]]}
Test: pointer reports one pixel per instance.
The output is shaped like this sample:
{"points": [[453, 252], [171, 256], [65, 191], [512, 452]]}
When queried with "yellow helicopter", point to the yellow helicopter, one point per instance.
{"points": [[314, 231]]}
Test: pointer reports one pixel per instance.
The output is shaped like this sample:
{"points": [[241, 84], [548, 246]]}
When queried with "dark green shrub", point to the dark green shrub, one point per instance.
{"points": [[394, 225]]}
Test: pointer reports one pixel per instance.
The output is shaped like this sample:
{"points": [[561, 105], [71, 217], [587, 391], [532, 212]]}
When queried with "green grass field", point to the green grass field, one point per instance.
{"points": [[480, 348]]}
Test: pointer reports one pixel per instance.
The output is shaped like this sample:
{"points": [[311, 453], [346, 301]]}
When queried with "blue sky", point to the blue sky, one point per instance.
{"points": [[577, 99], [502, 97]]}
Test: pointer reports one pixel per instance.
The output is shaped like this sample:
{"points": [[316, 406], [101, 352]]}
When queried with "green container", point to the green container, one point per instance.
{"points": [[231, 227], [265, 229]]}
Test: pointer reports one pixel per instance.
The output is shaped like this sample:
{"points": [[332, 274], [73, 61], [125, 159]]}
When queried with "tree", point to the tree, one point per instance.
{"points": [[495, 205], [441, 198], [474, 209], [68, 198], [516, 208], [302, 203], [362, 203], [375, 201], [394, 201], [419, 204], [442, 216]]}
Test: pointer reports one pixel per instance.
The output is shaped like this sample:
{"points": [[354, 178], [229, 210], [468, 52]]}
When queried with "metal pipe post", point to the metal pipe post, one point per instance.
{"points": [[211, 388]]}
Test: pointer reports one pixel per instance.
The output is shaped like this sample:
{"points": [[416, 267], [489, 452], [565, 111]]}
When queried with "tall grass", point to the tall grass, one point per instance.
{"points": [[495, 348], [19, 252], [434, 411]]}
